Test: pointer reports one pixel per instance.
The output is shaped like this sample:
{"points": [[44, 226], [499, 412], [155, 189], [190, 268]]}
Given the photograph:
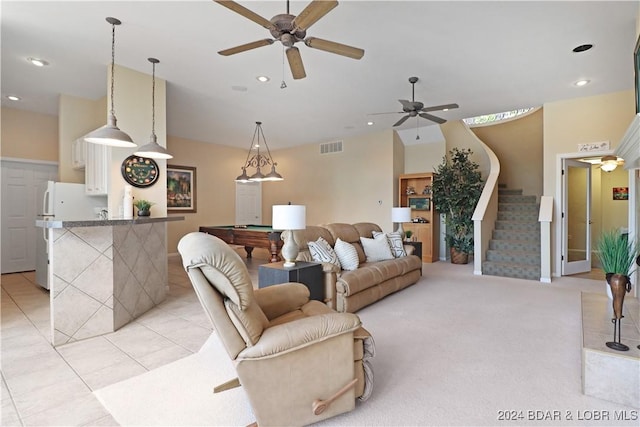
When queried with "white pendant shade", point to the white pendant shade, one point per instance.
{"points": [[153, 150], [110, 135]]}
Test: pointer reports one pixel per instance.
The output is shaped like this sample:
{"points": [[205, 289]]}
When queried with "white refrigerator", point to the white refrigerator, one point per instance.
{"points": [[63, 201]]}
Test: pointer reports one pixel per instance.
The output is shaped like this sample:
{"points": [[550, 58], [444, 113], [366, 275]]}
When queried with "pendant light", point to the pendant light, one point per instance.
{"points": [[152, 149], [259, 160], [109, 134]]}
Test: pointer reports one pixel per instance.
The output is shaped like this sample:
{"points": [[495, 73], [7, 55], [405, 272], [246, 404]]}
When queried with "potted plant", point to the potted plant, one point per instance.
{"points": [[143, 207], [456, 189], [617, 255], [408, 235]]}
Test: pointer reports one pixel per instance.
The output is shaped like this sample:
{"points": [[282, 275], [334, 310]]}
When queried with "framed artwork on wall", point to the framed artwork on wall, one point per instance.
{"points": [[620, 193], [636, 67], [181, 189]]}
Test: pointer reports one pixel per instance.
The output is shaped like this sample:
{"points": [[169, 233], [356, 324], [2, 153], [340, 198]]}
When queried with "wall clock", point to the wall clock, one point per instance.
{"points": [[140, 171]]}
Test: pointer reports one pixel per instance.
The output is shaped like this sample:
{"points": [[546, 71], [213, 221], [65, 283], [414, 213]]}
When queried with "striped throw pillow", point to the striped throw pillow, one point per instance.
{"points": [[347, 255], [395, 243]]}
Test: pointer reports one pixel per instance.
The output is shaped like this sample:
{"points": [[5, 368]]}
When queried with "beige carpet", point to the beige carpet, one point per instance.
{"points": [[455, 349]]}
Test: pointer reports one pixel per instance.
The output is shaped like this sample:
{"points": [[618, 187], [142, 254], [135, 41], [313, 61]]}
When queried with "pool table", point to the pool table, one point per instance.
{"points": [[249, 236]]}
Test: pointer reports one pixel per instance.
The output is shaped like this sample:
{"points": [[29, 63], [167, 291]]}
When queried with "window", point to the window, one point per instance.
{"points": [[488, 119]]}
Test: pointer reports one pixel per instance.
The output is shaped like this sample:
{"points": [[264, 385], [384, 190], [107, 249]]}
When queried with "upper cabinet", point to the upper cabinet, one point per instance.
{"points": [[97, 169]]}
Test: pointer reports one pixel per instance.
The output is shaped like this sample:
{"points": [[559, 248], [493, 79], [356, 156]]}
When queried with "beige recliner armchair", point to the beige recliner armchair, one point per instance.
{"points": [[298, 360]]}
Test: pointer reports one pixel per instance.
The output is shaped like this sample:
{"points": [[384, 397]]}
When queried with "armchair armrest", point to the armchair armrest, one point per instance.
{"points": [[300, 333], [279, 299]]}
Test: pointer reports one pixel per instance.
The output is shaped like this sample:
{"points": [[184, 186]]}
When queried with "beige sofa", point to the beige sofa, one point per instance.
{"points": [[349, 291]]}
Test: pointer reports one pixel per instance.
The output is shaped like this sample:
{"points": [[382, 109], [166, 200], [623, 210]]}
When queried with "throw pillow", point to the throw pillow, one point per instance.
{"points": [[347, 255], [321, 251], [376, 249], [395, 243]]}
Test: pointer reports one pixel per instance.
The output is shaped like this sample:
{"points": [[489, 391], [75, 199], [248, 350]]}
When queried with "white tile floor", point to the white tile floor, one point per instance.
{"points": [[46, 386]]}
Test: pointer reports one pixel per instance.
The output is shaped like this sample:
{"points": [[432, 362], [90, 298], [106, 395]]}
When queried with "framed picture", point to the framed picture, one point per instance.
{"points": [[636, 68], [181, 189], [420, 203], [620, 193]]}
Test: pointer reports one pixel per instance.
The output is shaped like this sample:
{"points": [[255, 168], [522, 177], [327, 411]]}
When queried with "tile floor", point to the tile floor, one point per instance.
{"points": [[43, 385]]}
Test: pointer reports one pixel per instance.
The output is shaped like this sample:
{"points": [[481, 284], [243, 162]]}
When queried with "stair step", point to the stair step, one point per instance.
{"points": [[516, 235], [508, 191], [516, 257], [517, 216], [520, 207], [518, 225], [515, 245], [519, 271], [516, 198]]}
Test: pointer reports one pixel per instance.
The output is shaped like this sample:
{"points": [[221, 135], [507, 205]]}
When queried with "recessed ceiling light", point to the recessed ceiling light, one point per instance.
{"points": [[38, 62], [370, 123], [582, 82], [582, 48], [263, 79], [13, 97]]}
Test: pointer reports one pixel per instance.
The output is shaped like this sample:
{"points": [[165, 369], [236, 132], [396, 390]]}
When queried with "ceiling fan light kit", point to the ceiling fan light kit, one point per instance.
{"points": [[609, 163], [290, 29], [110, 134]]}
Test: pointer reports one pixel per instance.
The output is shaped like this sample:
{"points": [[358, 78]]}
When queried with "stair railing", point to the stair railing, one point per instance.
{"points": [[486, 213], [545, 216]]}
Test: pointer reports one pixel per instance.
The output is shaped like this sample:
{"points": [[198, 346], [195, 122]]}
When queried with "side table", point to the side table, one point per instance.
{"points": [[307, 273], [417, 246]]}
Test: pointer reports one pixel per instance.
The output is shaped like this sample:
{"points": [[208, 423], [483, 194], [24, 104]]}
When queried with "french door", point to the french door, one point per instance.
{"points": [[576, 217]]}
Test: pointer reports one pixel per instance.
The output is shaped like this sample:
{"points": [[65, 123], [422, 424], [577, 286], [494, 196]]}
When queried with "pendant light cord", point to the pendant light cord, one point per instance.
{"points": [[113, 61], [153, 100]]}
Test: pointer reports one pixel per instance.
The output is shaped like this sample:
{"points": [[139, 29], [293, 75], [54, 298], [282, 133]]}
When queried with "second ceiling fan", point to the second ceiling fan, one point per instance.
{"points": [[290, 29], [415, 108]]}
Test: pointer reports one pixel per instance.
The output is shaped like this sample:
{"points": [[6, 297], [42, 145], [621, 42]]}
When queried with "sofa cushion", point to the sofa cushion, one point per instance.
{"points": [[395, 243], [376, 249], [347, 255], [374, 273], [321, 251], [348, 233]]}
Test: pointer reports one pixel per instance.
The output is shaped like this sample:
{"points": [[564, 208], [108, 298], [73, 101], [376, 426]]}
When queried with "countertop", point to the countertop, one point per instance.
{"points": [[58, 223]]}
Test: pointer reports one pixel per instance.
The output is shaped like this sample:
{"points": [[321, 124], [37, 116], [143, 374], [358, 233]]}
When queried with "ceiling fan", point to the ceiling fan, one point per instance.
{"points": [[290, 29], [415, 108]]}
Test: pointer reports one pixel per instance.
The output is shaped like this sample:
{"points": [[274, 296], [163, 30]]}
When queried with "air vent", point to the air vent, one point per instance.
{"points": [[331, 147]]}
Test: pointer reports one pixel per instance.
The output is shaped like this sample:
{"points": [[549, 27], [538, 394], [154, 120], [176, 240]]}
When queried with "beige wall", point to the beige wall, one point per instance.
{"points": [[399, 161], [216, 168], [518, 146], [76, 118], [352, 186], [28, 135], [571, 122], [423, 157]]}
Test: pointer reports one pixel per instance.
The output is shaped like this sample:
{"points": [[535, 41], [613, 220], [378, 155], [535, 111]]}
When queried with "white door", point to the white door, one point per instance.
{"points": [[22, 184], [576, 217], [248, 203]]}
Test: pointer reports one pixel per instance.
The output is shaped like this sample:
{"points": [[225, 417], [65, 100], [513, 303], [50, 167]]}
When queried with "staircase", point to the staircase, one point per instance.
{"points": [[514, 250]]}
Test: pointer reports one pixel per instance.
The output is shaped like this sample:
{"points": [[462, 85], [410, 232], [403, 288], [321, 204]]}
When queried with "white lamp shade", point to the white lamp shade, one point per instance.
{"points": [[289, 217], [400, 214], [110, 135]]}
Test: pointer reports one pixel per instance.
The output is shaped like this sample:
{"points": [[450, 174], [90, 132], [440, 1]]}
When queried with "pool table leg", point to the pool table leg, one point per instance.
{"points": [[248, 250], [274, 252]]}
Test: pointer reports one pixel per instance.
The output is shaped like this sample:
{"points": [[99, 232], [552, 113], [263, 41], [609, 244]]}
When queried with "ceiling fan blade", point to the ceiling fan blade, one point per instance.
{"points": [[401, 121], [241, 10], [432, 118], [391, 112], [440, 107], [295, 63], [245, 47], [334, 47], [312, 13]]}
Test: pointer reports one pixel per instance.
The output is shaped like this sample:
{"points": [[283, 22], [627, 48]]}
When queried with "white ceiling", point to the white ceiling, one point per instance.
{"points": [[486, 56]]}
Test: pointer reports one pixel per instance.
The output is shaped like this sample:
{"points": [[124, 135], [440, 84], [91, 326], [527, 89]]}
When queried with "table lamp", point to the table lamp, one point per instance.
{"points": [[289, 217], [400, 215]]}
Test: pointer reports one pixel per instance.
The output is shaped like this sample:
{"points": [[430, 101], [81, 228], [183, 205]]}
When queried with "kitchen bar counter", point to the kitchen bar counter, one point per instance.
{"points": [[104, 273]]}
